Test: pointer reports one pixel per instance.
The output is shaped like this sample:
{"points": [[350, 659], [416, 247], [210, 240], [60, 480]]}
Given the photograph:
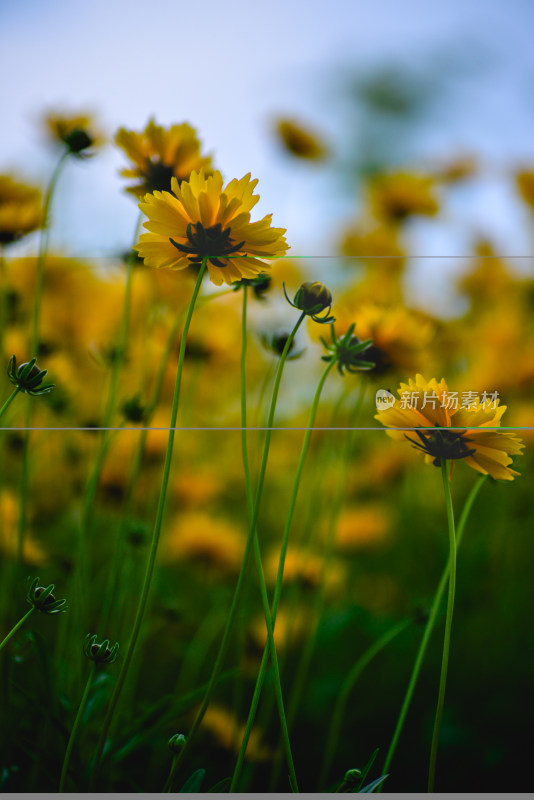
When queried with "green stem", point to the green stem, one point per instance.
{"points": [[19, 624], [34, 342], [9, 400], [270, 646], [429, 627], [306, 654], [279, 578], [156, 532], [341, 703], [82, 564], [248, 546], [448, 627], [77, 721], [168, 783]]}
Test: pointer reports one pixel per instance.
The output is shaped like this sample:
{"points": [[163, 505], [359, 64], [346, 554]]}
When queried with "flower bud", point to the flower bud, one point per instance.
{"points": [[176, 743], [41, 598], [100, 653], [312, 298], [352, 776], [28, 377]]}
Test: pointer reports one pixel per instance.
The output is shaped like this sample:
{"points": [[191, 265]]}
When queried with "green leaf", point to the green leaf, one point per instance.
{"points": [[194, 783], [373, 785], [222, 786]]}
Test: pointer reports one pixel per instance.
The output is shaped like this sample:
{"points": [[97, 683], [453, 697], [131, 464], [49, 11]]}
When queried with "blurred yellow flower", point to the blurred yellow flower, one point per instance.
{"points": [[305, 567], [204, 538], [76, 131], [20, 210], [222, 724], [401, 337], [399, 195], [9, 518], [200, 219], [300, 141], [159, 154], [525, 184], [429, 406], [362, 526]]}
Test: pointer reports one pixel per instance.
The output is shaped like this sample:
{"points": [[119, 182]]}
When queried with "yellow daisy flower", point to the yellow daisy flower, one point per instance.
{"points": [[299, 141], [430, 405], [20, 210], [159, 154], [200, 218]]}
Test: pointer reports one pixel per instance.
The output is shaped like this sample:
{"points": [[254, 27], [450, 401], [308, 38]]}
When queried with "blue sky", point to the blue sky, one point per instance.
{"points": [[229, 68]]}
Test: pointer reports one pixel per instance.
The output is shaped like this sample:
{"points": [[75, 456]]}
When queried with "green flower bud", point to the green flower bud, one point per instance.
{"points": [[41, 598], [28, 377], [312, 298], [347, 351], [176, 743], [352, 776], [100, 653]]}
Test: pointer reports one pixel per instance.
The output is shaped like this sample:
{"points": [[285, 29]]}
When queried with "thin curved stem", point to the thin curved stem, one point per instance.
{"points": [[270, 645], [9, 400], [34, 342], [92, 483], [448, 628], [15, 628], [279, 578], [248, 546], [332, 737], [429, 627], [77, 721], [143, 598]]}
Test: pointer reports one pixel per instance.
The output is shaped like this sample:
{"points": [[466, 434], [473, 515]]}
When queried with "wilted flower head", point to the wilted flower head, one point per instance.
{"points": [[20, 210], [159, 154], [200, 219]]}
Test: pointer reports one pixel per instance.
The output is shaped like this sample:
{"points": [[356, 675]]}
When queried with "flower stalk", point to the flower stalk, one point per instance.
{"points": [[143, 598], [448, 627]]}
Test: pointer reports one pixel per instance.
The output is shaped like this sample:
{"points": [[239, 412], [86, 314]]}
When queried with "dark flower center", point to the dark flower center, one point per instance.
{"points": [[48, 599], [212, 242], [380, 359], [158, 176], [442, 444]]}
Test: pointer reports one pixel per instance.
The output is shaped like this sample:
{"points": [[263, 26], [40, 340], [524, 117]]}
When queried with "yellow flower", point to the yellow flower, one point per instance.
{"points": [[224, 726], [525, 184], [361, 527], [200, 537], [401, 337], [430, 405], [76, 131], [200, 219], [20, 210], [399, 195], [300, 142], [159, 154]]}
